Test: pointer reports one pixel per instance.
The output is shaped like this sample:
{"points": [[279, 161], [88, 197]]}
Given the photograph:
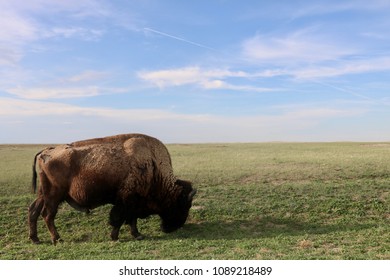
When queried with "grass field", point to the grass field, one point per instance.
{"points": [[254, 201]]}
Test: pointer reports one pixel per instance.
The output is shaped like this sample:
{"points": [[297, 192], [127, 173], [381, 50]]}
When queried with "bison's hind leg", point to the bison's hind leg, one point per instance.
{"points": [[34, 211], [49, 213]]}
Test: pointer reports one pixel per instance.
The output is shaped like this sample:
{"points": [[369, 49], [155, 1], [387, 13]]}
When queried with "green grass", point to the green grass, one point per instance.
{"points": [[254, 201]]}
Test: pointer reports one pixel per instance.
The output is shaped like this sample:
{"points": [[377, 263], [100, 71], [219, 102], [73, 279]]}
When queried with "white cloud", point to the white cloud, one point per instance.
{"points": [[203, 78], [221, 85], [172, 77], [186, 75], [301, 69]]}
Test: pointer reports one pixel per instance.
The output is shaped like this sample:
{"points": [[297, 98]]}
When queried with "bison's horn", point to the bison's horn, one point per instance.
{"points": [[191, 194]]}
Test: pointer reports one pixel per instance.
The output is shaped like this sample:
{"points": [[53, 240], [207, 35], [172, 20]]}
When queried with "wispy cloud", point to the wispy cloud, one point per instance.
{"points": [[49, 93], [345, 67], [301, 47], [302, 54], [324, 7], [23, 108], [22, 23], [72, 8], [330, 70], [193, 127], [310, 54], [309, 9], [87, 83], [9, 56], [63, 92], [16, 30], [87, 76], [87, 34]]}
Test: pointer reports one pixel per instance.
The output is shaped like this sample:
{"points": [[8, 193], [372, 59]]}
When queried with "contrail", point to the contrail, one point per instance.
{"points": [[344, 90], [178, 38]]}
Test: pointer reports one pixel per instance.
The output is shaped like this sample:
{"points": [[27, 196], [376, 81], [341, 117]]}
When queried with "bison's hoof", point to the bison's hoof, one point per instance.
{"points": [[56, 241], [140, 237], [35, 240], [114, 235]]}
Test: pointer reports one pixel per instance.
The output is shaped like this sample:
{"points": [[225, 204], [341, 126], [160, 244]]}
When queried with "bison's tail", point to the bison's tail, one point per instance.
{"points": [[34, 177]]}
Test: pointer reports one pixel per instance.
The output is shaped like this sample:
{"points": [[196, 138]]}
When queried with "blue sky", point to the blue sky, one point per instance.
{"points": [[195, 71]]}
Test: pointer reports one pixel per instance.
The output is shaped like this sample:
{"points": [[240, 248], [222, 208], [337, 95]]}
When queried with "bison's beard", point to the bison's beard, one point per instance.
{"points": [[172, 223], [170, 228]]}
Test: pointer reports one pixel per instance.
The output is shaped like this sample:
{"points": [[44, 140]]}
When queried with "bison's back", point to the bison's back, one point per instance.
{"points": [[122, 154], [115, 140]]}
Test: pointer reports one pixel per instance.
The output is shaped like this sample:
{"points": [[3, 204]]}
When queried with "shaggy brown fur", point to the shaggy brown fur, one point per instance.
{"points": [[131, 171]]}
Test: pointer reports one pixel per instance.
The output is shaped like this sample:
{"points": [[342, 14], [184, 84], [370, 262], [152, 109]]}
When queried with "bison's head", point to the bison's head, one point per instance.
{"points": [[175, 216]]}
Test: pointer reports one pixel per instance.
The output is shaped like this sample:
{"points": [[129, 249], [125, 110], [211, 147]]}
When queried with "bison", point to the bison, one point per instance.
{"points": [[133, 172]]}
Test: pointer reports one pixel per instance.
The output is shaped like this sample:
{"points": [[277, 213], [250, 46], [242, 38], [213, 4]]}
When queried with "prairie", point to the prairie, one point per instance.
{"points": [[255, 201]]}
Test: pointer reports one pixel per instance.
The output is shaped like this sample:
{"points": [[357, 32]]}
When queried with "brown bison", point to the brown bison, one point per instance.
{"points": [[133, 172]]}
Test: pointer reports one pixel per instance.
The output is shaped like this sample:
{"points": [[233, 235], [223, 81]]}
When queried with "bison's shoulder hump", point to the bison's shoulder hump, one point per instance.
{"points": [[113, 140]]}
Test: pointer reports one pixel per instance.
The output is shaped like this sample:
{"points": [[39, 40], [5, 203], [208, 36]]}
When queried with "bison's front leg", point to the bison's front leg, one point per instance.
{"points": [[133, 228], [117, 218], [115, 233]]}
